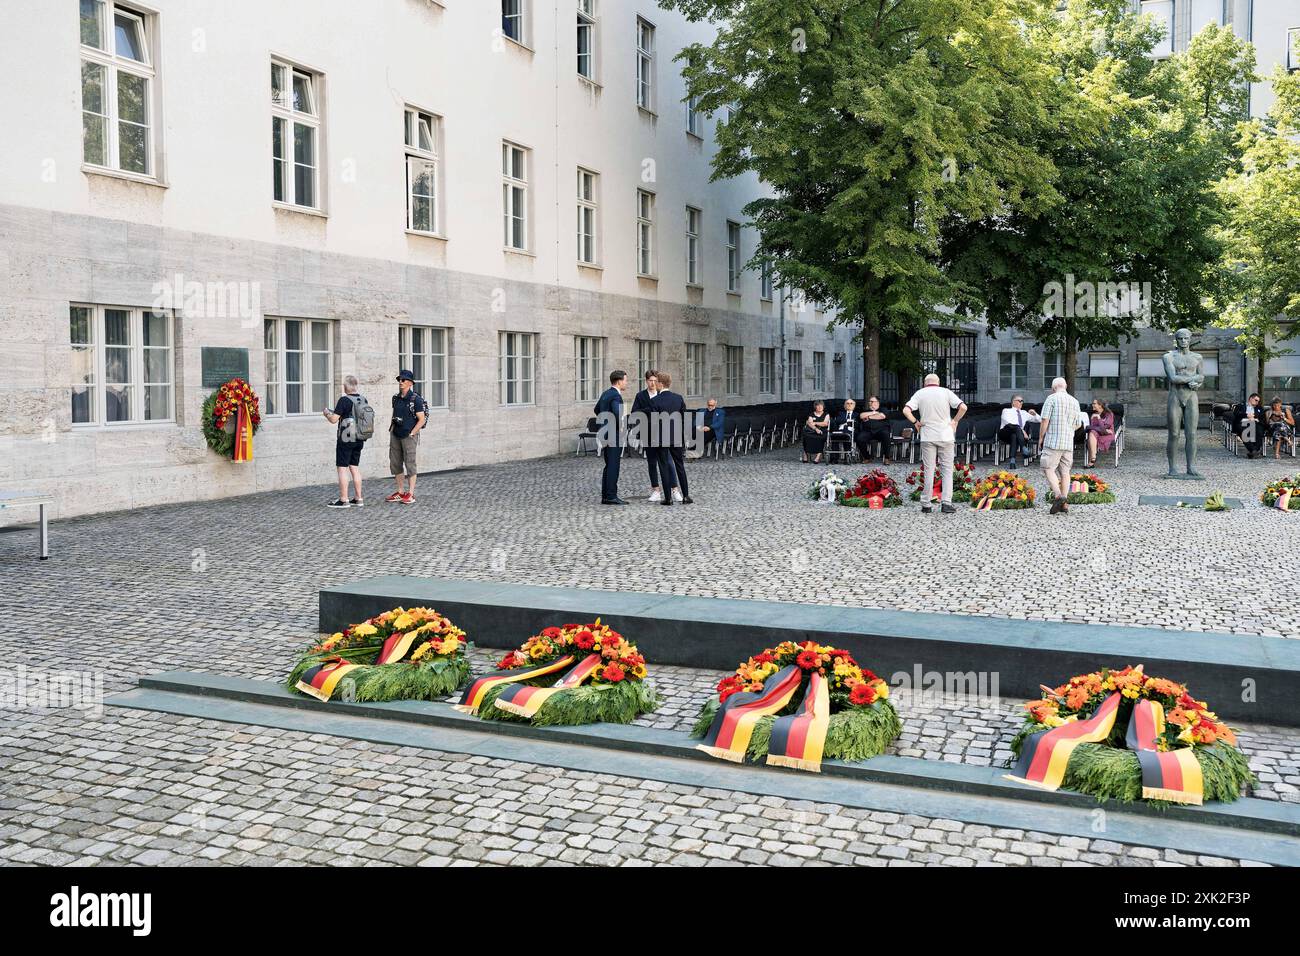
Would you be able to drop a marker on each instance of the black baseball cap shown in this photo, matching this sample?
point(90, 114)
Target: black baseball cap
point(406, 374)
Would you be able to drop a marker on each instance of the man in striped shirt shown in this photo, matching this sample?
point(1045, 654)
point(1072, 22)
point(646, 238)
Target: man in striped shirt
point(1061, 416)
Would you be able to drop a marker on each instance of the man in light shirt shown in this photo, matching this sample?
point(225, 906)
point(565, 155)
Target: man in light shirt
point(1061, 417)
point(1012, 430)
point(938, 426)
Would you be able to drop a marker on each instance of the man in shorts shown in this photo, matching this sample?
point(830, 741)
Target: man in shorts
point(409, 415)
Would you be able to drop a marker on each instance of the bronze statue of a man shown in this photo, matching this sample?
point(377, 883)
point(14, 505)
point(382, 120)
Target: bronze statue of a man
point(1184, 370)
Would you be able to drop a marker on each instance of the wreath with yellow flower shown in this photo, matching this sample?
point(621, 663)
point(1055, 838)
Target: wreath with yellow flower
point(424, 657)
point(863, 721)
point(221, 410)
point(1002, 491)
point(1109, 768)
point(1087, 489)
point(610, 688)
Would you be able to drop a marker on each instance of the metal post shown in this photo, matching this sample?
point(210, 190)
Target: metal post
point(45, 534)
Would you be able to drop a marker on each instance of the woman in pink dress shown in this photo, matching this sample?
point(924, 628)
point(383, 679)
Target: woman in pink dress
point(1101, 431)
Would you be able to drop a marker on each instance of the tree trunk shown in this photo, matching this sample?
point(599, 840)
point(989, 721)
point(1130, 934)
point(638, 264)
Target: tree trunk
point(1070, 359)
point(870, 361)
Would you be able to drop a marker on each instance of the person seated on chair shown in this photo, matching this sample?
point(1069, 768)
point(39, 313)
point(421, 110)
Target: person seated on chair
point(712, 425)
point(842, 428)
point(1012, 430)
point(872, 430)
point(1248, 425)
point(1280, 425)
point(1101, 431)
point(815, 429)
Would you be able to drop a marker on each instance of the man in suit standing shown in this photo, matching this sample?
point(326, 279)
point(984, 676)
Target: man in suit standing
point(609, 414)
point(668, 429)
point(641, 429)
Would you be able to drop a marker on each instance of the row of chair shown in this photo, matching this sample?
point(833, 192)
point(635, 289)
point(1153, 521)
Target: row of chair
point(1223, 422)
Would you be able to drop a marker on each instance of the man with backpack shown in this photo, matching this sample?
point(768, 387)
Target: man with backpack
point(356, 424)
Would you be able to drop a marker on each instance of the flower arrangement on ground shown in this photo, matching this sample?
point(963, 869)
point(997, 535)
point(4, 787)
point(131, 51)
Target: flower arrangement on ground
point(794, 704)
point(1283, 494)
point(1001, 491)
point(402, 654)
point(963, 482)
point(875, 489)
point(828, 487)
point(231, 417)
point(1124, 735)
point(574, 674)
point(1087, 489)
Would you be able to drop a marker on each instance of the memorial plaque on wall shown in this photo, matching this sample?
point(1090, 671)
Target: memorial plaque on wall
point(220, 365)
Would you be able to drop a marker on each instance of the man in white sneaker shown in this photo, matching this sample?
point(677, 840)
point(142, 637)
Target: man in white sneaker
point(938, 427)
point(639, 431)
point(1061, 418)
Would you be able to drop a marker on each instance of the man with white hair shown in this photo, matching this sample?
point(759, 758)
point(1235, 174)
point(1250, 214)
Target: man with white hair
point(356, 421)
point(1060, 417)
point(938, 427)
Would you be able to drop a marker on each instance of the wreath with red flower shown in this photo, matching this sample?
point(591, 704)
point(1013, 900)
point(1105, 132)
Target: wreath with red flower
point(1087, 489)
point(875, 489)
point(1275, 490)
point(1002, 491)
point(963, 481)
point(220, 413)
point(863, 721)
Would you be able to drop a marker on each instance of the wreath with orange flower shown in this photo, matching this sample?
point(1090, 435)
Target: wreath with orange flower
point(1108, 769)
point(1087, 489)
point(615, 692)
point(963, 481)
point(220, 411)
point(863, 721)
point(1002, 491)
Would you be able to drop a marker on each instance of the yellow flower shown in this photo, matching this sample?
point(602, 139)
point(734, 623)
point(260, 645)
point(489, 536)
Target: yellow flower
point(403, 622)
point(365, 630)
point(536, 651)
point(881, 689)
point(420, 651)
point(639, 671)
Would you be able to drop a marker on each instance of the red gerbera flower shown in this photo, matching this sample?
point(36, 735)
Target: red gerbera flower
point(861, 695)
point(808, 660)
point(612, 673)
point(585, 640)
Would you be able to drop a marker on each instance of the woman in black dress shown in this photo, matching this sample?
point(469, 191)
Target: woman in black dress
point(814, 433)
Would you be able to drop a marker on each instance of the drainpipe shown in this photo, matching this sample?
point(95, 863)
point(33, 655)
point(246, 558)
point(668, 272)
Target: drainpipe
point(780, 365)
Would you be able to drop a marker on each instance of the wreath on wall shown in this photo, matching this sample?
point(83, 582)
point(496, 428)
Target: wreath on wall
point(231, 406)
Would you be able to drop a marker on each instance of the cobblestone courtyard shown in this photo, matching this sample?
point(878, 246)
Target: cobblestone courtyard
point(230, 586)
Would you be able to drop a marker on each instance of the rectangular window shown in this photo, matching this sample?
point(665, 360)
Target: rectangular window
point(422, 134)
point(645, 64)
point(694, 126)
point(1163, 13)
point(117, 87)
point(514, 195)
point(299, 356)
point(1053, 368)
point(423, 350)
point(1151, 371)
point(735, 369)
point(513, 20)
point(1103, 370)
point(767, 371)
point(587, 39)
point(693, 273)
point(733, 256)
point(295, 135)
point(515, 371)
point(819, 371)
point(587, 217)
point(647, 357)
point(1205, 12)
point(1293, 49)
point(794, 371)
point(588, 356)
point(122, 365)
point(1013, 369)
point(1282, 374)
point(765, 282)
point(1210, 368)
point(696, 372)
point(645, 233)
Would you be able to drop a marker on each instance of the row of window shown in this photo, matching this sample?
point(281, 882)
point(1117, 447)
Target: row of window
point(1201, 14)
point(1103, 370)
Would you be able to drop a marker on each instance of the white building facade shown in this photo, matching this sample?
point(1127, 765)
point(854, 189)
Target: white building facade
point(511, 198)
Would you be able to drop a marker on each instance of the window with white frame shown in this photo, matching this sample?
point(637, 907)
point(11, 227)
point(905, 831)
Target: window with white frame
point(1013, 369)
point(767, 371)
point(1151, 371)
point(423, 350)
point(122, 365)
point(117, 87)
point(587, 208)
point(1103, 370)
point(299, 356)
point(693, 271)
point(819, 371)
point(587, 39)
point(733, 256)
point(1053, 367)
point(794, 370)
point(514, 20)
point(422, 134)
point(514, 195)
point(645, 233)
point(645, 64)
point(694, 123)
point(735, 369)
point(517, 353)
point(1293, 49)
point(647, 358)
point(295, 135)
point(696, 371)
point(765, 281)
point(589, 358)
point(1163, 13)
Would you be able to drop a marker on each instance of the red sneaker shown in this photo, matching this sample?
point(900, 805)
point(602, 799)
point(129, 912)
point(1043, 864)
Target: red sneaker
point(408, 499)
point(395, 496)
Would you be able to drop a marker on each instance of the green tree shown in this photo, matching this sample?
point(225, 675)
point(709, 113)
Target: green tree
point(872, 123)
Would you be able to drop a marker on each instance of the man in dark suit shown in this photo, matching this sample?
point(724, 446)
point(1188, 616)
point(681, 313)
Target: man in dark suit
point(640, 425)
point(609, 415)
point(668, 434)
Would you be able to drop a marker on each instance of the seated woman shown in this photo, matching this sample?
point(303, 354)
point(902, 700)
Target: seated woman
point(873, 429)
point(1101, 431)
point(815, 429)
point(1281, 426)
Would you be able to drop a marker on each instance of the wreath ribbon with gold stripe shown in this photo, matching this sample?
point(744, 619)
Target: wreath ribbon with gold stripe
point(733, 725)
point(243, 433)
point(526, 700)
point(1044, 755)
point(799, 739)
point(323, 679)
point(395, 648)
point(1173, 775)
point(473, 698)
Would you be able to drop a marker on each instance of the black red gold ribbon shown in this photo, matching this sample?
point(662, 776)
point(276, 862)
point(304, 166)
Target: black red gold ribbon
point(473, 698)
point(1044, 756)
point(526, 700)
point(733, 725)
point(322, 680)
point(1173, 775)
point(243, 433)
point(798, 739)
point(395, 648)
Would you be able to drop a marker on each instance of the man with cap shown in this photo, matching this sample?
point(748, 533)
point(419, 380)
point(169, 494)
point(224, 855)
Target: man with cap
point(409, 414)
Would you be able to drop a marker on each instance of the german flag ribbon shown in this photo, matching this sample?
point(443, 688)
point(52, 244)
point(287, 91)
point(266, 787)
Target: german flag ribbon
point(526, 700)
point(1283, 502)
point(1045, 754)
point(986, 503)
point(1173, 775)
point(733, 726)
point(473, 698)
point(323, 679)
point(243, 433)
point(395, 648)
point(798, 739)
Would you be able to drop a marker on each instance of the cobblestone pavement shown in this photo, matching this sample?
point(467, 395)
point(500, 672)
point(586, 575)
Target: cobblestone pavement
point(231, 586)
